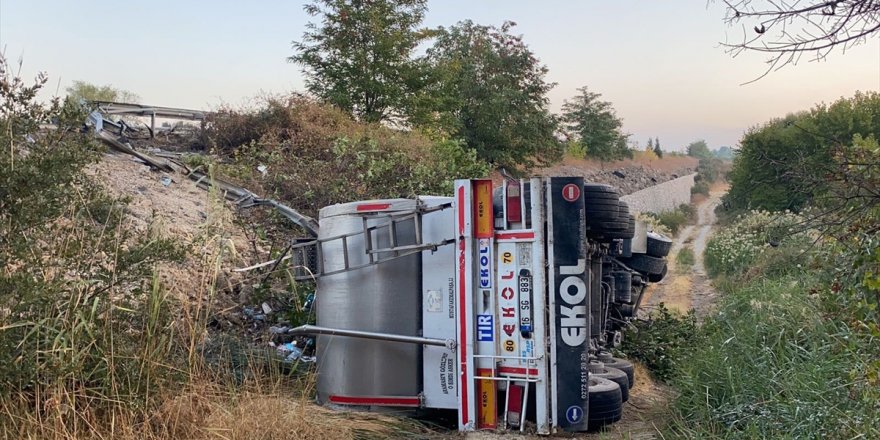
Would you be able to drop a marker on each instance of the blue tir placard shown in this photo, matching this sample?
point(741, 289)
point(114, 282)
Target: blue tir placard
point(485, 328)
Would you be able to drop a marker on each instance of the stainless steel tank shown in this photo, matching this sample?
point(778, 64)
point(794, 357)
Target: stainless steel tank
point(385, 298)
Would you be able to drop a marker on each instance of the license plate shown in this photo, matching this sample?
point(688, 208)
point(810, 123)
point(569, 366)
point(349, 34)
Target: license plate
point(525, 302)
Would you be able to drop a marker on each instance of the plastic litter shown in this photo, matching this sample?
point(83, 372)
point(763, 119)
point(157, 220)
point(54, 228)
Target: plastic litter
point(165, 180)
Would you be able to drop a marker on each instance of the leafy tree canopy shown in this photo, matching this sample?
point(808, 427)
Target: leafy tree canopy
point(84, 91)
point(789, 162)
point(698, 149)
point(489, 90)
point(359, 56)
point(595, 124)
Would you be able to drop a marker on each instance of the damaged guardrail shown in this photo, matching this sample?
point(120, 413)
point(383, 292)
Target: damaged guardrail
point(242, 197)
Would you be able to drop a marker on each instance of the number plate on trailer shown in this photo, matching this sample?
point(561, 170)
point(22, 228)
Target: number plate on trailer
point(525, 301)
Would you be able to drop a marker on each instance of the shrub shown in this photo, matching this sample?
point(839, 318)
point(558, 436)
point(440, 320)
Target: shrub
point(700, 187)
point(673, 220)
point(737, 247)
point(83, 323)
point(317, 156)
point(663, 341)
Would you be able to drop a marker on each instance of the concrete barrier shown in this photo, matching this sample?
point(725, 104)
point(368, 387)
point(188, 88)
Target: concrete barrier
point(663, 197)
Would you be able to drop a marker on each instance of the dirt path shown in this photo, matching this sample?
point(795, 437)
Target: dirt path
point(688, 287)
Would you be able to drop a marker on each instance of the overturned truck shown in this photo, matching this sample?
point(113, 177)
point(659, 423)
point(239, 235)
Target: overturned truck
point(500, 304)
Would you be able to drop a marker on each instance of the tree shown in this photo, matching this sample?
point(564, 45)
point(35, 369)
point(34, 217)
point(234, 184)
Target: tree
point(657, 149)
point(360, 57)
point(84, 91)
point(650, 145)
point(822, 156)
point(698, 149)
point(489, 90)
point(595, 124)
point(788, 30)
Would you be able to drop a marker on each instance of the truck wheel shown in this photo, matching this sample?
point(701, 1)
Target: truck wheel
point(597, 189)
point(657, 277)
point(620, 364)
point(658, 245)
point(618, 377)
point(605, 404)
point(645, 264)
point(601, 211)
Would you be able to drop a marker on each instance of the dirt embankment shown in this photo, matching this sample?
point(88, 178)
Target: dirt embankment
point(628, 175)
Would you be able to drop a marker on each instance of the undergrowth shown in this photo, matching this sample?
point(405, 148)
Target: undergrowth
point(792, 349)
point(91, 343)
point(673, 220)
point(684, 259)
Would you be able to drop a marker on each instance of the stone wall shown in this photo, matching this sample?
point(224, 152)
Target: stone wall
point(663, 197)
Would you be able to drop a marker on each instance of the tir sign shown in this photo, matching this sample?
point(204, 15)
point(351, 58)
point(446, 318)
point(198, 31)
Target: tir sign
point(483, 218)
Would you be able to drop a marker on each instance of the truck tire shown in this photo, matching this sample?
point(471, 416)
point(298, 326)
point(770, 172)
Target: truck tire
point(601, 212)
point(600, 188)
point(658, 245)
point(617, 376)
point(645, 264)
point(621, 364)
point(605, 402)
point(657, 277)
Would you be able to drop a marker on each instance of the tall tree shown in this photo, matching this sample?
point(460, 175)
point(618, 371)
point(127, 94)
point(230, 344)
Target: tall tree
point(595, 124)
point(698, 149)
point(490, 91)
point(359, 56)
point(657, 149)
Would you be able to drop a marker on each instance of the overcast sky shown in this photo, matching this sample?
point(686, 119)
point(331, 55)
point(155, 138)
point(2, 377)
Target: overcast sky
point(659, 62)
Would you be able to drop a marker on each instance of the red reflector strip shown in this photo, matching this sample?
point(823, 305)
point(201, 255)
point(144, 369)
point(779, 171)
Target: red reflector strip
point(373, 207)
point(515, 236)
point(518, 370)
point(376, 400)
point(462, 323)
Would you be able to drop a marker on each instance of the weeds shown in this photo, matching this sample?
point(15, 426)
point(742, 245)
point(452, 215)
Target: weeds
point(673, 220)
point(685, 258)
point(91, 343)
point(663, 342)
point(788, 353)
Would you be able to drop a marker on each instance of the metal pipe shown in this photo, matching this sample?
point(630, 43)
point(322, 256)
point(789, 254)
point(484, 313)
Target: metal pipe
point(315, 330)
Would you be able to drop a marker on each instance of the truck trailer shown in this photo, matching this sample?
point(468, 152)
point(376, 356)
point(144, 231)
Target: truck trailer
point(501, 303)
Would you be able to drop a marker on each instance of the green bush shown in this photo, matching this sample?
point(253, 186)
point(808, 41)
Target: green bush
point(737, 248)
point(662, 342)
point(83, 323)
point(317, 156)
point(787, 162)
point(700, 187)
point(673, 220)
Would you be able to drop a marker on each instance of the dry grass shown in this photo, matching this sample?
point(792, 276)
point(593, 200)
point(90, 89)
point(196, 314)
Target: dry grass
point(183, 396)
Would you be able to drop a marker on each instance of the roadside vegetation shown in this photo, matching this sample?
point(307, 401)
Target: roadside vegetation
point(672, 221)
point(684, 259)
point(91, 343)
point(791, 349)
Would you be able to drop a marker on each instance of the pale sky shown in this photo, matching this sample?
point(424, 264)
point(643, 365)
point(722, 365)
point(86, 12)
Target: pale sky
point(659, 62)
